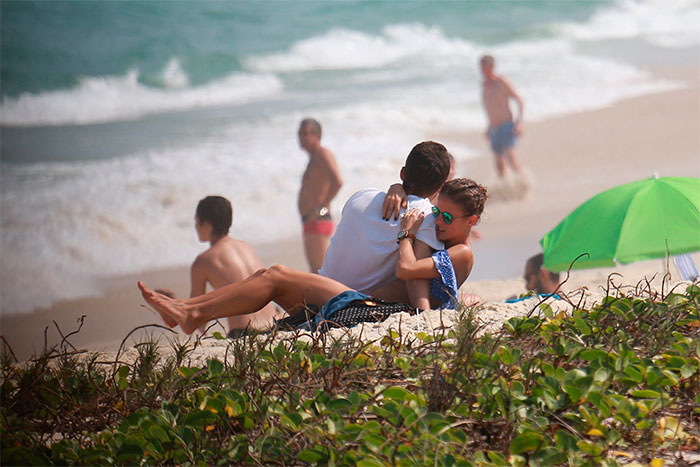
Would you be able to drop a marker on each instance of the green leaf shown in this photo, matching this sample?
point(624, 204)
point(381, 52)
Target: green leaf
point(599, 401)
point(687, 371)
point(565, 441)
point(291, 421)
point(646, 394)
point(589, 448)
point(187, 372)
point(591, 355)
point(339, 405)
point(526, 442)
point(159, 433)
point(644, 424)
point(506, 355)
point(199, 418)
point(583, 328)
point(547, 310)
point(129, 453)
point(397, 393)
point(123, 371)
point(573, 391)
point(634, 374)
point(215, 367)
point(369, 462)
point(497, 458)
point(313, 455)
point(373, 442)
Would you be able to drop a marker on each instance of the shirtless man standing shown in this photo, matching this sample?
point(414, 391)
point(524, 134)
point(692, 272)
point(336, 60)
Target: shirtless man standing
point(503, 129)
point(226, 261)
point(319, 186)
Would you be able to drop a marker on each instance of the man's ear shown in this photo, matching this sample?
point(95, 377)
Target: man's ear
point(401, 174)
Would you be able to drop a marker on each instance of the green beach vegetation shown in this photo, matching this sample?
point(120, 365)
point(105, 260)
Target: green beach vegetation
point(616, 383)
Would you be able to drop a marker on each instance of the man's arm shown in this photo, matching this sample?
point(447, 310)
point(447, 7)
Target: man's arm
point(512, 94)
point(335, 179)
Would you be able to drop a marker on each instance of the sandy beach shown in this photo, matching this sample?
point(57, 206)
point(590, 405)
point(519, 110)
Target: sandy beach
point(570, 158)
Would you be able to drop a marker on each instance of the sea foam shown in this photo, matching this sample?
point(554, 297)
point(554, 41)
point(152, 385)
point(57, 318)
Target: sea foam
point(666, 23)
point(341, 49)
point(116, 98)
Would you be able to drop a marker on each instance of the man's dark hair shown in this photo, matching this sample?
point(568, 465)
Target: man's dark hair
point(426, 169)
point(313, 123)
point(217, 211)
point(537, 261)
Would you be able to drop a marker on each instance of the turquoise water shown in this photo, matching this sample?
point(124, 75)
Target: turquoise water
point(52, 45)
point(117, 117)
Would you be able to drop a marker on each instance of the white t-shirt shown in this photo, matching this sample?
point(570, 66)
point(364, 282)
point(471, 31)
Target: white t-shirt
point(363, 252)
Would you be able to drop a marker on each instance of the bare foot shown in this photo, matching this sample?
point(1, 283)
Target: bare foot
point(155, 299)
point(167, 292)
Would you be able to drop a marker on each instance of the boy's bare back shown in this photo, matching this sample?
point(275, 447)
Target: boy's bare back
point(228, 261)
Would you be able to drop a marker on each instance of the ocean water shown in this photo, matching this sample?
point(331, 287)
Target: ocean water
point(117, 117)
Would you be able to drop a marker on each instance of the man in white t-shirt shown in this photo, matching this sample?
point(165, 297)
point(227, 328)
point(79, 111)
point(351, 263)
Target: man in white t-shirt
point(364, 251)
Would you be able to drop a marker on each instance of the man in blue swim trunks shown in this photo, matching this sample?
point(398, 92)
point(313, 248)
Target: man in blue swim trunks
point(503, 128)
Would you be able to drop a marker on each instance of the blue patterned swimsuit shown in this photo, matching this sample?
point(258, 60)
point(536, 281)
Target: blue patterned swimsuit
point(444, 288)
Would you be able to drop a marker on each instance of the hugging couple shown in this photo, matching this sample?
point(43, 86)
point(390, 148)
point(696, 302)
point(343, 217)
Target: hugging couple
point(421, 258)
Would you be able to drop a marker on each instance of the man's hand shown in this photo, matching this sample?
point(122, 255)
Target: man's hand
point(411, 221)
point(518, 128)
point(394, 200)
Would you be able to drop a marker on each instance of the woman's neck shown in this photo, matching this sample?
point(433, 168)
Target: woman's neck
point(458, 241)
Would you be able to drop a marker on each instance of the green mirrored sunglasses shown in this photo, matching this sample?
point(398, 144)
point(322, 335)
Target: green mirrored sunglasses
point(446, 216)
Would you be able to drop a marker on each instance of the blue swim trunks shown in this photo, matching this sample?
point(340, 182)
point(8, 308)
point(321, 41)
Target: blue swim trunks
point(502, 137)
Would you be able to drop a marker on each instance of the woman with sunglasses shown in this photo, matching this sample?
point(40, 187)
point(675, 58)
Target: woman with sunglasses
point(459, 206)
point(458, 209)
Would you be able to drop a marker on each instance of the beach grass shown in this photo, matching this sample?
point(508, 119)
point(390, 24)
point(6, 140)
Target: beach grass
point(614, 383)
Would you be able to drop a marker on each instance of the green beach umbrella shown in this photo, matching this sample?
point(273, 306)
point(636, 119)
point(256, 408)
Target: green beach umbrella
point(640, 220)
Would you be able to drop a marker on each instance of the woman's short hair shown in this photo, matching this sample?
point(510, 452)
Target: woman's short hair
point(466, 193)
